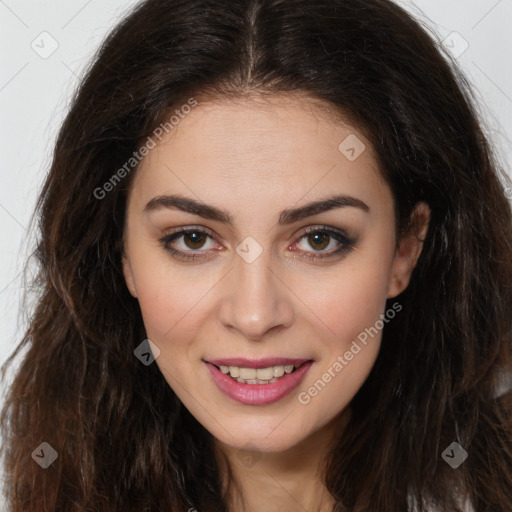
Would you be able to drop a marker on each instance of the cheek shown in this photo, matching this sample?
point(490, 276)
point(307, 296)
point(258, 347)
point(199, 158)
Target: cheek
point(351, 299)
point(172, 298)
point(168, 304)
point(353, 310)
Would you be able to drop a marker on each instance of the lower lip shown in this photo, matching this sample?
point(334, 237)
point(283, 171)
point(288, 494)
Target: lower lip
point(258, 394)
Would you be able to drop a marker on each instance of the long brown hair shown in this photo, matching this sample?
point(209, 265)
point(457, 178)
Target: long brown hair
point(124, 441)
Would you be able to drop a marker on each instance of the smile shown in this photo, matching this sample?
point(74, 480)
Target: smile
point(258, 386)
point(258, 375)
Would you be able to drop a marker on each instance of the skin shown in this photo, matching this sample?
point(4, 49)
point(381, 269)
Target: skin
point(254, 159)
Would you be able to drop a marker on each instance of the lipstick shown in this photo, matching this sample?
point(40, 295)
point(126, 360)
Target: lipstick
point(258, 394)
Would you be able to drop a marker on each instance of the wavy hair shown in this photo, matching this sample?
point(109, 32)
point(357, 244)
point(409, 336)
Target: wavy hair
point(124, 440)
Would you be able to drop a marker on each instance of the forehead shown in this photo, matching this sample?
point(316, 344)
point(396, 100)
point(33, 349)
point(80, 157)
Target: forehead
point(260, 150)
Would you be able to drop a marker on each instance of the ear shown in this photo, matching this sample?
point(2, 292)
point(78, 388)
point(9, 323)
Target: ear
point(409, 250)
point(128, 276)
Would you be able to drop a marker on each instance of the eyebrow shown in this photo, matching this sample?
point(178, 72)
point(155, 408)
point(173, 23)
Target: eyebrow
point(288, 216)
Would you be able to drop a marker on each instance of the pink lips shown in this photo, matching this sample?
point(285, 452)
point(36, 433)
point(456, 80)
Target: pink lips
point(258, 394)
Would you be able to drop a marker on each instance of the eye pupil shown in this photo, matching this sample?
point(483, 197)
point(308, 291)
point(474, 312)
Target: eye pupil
point(194, 235)
point(321, 236)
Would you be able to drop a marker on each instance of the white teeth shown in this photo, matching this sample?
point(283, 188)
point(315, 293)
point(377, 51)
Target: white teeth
point(257, 375)
point(278, 371)
point(265, 373)
point(247, 373)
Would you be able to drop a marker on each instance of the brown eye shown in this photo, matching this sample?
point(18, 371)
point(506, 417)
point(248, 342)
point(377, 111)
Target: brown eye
point(318, 240)
point(187, 244)
point(197, 239)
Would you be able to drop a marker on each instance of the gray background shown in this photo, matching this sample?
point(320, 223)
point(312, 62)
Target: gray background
point(35, 88)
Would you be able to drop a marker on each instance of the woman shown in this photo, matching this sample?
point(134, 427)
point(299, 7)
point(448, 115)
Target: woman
point(275, 274)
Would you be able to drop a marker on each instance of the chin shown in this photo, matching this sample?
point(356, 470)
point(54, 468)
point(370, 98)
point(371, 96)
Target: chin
point(259, 441)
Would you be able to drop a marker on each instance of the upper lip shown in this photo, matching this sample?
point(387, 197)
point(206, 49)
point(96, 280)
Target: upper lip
point(258, 363)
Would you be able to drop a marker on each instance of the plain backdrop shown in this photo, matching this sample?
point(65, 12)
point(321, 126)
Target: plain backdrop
point(46, 45)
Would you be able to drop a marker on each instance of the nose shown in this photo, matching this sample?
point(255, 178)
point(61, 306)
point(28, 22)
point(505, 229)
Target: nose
point(256, 299)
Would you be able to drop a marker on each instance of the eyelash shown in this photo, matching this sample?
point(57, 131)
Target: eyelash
point(346, 242)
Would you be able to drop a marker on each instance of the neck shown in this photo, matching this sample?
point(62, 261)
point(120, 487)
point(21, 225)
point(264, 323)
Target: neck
point(287, 481)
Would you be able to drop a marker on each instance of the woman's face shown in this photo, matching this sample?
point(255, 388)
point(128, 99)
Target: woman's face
point(248, 282)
